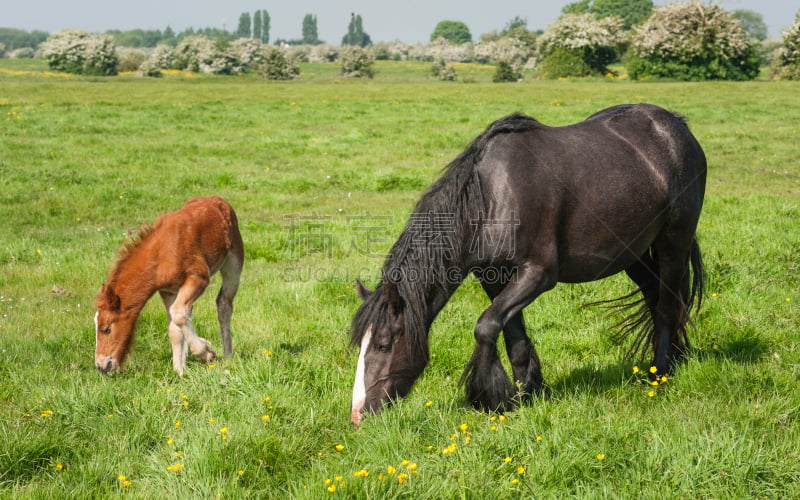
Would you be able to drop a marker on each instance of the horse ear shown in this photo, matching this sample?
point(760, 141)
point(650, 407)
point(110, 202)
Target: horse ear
point(392, 296)
point(112, 299)
point(363, 291)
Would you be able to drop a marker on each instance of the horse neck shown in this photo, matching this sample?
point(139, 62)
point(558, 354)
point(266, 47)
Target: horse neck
point(132, 279)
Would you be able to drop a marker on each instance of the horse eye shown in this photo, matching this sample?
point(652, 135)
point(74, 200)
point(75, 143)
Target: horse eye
point(106, 330)
point(385, 347)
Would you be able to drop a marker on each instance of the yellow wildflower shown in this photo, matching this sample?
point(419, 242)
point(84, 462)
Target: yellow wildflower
point(653, 369)
point(175, 468)
point(507, 460)
point(339, 447)
point(402, 478)
point(391, 470)
point(635, 369)
point(601, 456)
point(463, 428)
point(520, 470)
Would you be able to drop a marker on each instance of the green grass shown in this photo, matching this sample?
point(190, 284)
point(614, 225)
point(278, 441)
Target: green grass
point(83, 160)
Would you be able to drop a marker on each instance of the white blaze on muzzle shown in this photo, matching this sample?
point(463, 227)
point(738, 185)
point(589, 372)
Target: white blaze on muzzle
point(360, 387)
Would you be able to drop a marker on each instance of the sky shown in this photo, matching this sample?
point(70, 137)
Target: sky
point(407, 20)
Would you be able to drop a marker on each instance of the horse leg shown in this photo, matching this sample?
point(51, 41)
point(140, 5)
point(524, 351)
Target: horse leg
point(525, 363)
point(176, 337)
point(180, 326)
point(230, 271)
point(487, 384)
point(671, 311)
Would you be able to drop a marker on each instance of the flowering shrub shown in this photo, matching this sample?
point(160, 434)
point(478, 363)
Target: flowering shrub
point(356, 62)
point(22, 53)
point(443, 71)
point(323, 53)
point(596, 42)
point(508, 49)
point(277, 65)
point(692, 41)
point(160, 58)
point(130, 59)
point(244, 53)
point(80, 52)
point(788, 60)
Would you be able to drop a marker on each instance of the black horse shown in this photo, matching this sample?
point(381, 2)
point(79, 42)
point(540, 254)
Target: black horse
point(524, 207)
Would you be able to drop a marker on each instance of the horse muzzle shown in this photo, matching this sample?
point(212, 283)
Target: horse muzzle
point(105, 364)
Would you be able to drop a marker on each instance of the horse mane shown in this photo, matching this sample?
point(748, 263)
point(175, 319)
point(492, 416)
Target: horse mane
point(127, 248)
point(458, 195)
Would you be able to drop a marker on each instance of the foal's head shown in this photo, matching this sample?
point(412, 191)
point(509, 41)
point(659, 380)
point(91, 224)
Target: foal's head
point(389, 362)
point(113, 330)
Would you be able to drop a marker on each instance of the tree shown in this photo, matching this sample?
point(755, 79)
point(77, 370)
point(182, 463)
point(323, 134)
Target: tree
point(514, 25)
point(257, 25)
point(264, 26)
point(692, 41)
point(453, 31)
point(355, 33)
point(753, 23)
point(244, 25)
point(632, 12)
point(310, 36)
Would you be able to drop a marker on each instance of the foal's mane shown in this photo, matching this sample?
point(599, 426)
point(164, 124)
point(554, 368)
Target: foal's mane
point(124, 253)
point(457, 194)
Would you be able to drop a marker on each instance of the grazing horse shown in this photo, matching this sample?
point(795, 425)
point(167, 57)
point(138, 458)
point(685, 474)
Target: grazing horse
point(524, 207)
point(176, 257)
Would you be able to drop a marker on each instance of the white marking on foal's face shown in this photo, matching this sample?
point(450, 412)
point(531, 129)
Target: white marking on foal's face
point(96, 314)
point(360, 387)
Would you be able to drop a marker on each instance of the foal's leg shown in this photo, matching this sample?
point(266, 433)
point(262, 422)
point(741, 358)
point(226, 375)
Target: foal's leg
point(230, 271)
point(176, 337)
point(521, 352)
point(180, 326)
point(487, 384)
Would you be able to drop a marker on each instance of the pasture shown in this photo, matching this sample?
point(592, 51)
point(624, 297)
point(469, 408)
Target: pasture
point(323, 173)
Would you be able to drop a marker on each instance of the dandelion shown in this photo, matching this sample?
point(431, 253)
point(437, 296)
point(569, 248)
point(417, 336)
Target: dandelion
point(267, 352)
point(212, 420)
point(635, 369)
point(177, 454)
point(59, 467)
point(651, 393)
point(177, 424)
point(240, 472)
point(339, 447)
point(507, 460)
point(501, 418)
point(110, 415)
point(361, 473)
point(463, 428)
point(170, 441)
point(224, 432)
point(402, 478)
point(391, 470)
point(538, 438)
point(175, 467)
point(600, 456)
point(654, 383)
point(265, 418)
point(332, 488)
point(126, 483)
point(405, 463)
point(413, 468)
point(430, 403)
point(520, 470)
point(467, 439)
point(267, 399)
point(515, 481)
point(494, 428)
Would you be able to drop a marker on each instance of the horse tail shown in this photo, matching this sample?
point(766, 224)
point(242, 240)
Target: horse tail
point(639, 322)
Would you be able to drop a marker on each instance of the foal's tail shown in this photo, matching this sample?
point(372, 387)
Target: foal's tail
point(639, 322)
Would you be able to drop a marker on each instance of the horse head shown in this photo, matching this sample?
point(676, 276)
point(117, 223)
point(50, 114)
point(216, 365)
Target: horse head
point(113, 330)
point(389, 362)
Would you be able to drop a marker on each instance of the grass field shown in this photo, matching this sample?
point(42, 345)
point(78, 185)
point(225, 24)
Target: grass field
point(323, 173)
